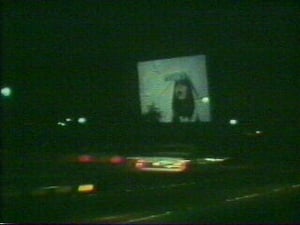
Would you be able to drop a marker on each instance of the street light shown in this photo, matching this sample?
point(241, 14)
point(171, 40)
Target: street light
point(6, 91)
point(61, 124)
point(233, 122)
point(81, 120)
point(205, 99)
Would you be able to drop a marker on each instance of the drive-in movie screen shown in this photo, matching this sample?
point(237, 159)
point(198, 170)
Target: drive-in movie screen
point(174, 90)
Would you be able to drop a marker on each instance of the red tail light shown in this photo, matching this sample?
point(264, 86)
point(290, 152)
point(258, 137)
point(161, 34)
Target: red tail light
point(86, 159)
point(117, 160)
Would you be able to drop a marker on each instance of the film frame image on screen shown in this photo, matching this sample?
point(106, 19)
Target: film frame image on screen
point(174, 90)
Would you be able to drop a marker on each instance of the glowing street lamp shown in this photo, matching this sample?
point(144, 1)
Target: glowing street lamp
point(205, 99)
point(81, 120)
point(61, 124)
point(6, 91)
point(68, 119)
point(233, 122)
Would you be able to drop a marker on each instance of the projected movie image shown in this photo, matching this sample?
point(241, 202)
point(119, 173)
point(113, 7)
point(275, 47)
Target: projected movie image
point(174, 90)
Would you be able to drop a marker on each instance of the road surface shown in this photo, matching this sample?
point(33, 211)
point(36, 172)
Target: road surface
point(221, 193)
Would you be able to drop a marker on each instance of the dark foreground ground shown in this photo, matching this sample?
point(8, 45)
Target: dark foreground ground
point(243, 190)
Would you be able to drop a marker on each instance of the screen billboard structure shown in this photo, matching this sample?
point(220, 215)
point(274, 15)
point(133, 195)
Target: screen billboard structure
point(174, 90)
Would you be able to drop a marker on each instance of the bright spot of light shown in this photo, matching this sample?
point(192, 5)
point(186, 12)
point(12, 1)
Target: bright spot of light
point(68, 119)
point(81, 120)
point(61, 124)
point(6, 91)
point(233, 122)
point(258, 132)
point(214, 159)
point(86, 188)
point(205, 99)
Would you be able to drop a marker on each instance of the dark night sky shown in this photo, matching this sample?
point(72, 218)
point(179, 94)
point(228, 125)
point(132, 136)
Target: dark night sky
point(75, 58)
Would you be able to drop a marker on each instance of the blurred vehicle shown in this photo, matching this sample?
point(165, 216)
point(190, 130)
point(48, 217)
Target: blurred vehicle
point(161, 164)
point(96, 158)
point(160, 158)
point(174, 158)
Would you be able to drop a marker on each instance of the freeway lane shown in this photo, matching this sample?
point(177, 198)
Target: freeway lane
point(208, 196)
point(274, 206)
point(254, 198)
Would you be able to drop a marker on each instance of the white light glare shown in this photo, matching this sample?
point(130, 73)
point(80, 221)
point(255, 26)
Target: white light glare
point(81, 120)
point(258, 132)
point(6, 91)
point(215, 159)
point(68, 119)
point(61, 124)
point(205, 99)
point(233, 121)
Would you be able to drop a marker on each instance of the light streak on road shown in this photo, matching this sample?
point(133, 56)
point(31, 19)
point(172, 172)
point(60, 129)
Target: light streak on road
point(154, 216)
point(243, 197)
point(280, 189)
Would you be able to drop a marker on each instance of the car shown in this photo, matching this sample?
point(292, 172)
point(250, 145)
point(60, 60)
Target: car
point(160, 164)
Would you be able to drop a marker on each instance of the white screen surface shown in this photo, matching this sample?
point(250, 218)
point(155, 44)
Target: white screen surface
point(174, 90)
